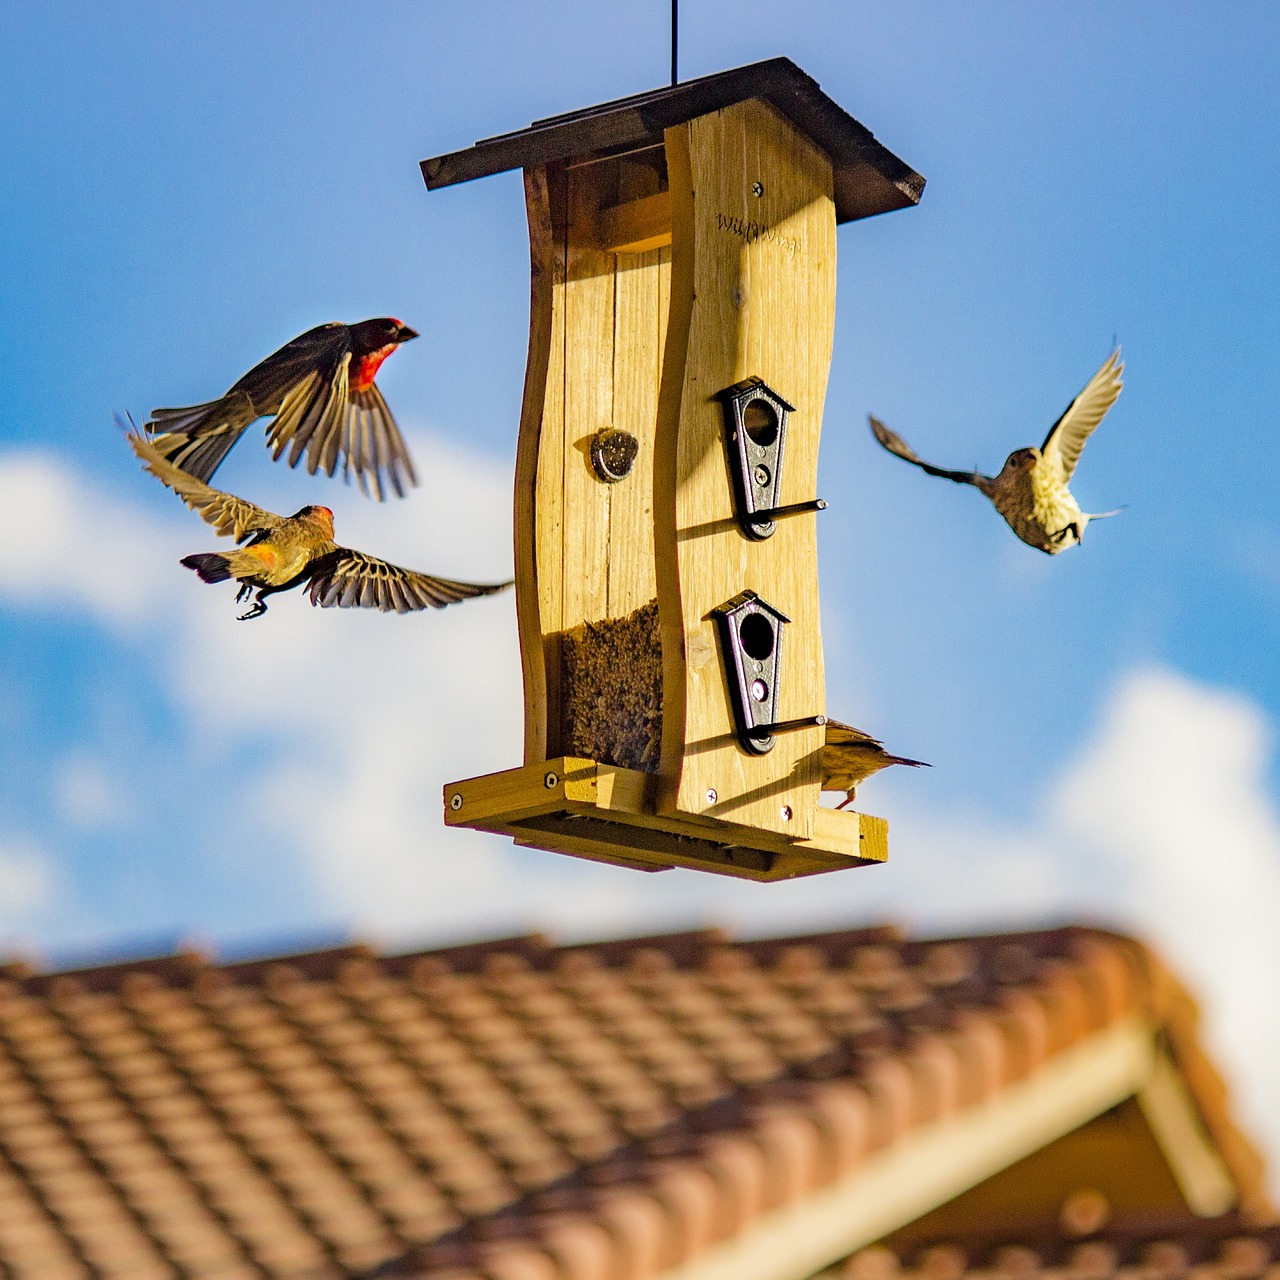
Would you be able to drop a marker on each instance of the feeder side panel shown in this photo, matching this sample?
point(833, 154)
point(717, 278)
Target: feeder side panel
point(756, 232)
point(537, 505)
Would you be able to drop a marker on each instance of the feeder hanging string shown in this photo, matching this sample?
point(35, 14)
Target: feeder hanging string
point(675, 38)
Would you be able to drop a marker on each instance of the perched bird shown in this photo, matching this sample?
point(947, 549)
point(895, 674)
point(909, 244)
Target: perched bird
point(1031, 490)
point(283, 552)
point(850, 757)
point(320, 388)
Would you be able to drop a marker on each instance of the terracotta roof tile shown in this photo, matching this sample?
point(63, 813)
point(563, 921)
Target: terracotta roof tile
point(517, 1111)
point(1185, 1248)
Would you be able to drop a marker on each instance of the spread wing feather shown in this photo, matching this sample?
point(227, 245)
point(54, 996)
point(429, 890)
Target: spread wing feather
point(348, 579)
point(229, 515)
point(898, 446)
point(1066, 439)
point(370, 433)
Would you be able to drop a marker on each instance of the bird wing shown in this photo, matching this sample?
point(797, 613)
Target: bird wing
point(310, 415)
point(897, 445)
point(371, 441)
point(843, 735)
point(352, 580)
point(229, 515)
point(1065, 441)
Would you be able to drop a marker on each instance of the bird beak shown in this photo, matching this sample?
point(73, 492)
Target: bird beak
point(405, 334)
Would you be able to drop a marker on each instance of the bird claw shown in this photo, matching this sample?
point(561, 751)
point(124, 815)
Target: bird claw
point(256, 612)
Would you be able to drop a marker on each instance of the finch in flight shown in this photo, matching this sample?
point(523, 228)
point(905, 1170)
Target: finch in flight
point(850, 757)
point(283, 552)
point(1031, 490)
point(320, 388)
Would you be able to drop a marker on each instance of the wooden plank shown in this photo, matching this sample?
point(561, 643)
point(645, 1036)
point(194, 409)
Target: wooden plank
point(1193, 1158)
point(756, 273)
point(588, 393)
point(588, 850)
point(636, 226)
point(539, 462)
point(632, 575)
point(858, 835)
point(621, 803)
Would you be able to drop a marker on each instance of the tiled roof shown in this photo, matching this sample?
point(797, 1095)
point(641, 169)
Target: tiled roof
point(1184, 1249)
point(515, 1109)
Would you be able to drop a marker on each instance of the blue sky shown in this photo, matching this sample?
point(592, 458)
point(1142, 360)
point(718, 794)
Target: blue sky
point(185, 189)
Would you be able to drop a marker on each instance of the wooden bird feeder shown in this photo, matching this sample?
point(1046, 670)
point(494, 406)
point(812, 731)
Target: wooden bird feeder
point(683, 254)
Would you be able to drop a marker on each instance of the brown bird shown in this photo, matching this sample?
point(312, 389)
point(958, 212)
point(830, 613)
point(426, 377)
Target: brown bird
point(1031, 490)
point(320, 388)
point(850, 757)
point(283, 552)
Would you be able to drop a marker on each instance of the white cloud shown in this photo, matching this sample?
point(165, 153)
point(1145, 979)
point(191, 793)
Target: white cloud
point(63, 546)
point(1173, 791)
point(26, 881)
point(85, 793)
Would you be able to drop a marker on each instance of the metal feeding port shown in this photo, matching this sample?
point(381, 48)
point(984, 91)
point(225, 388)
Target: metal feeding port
point(755, 422)
point(751, 648)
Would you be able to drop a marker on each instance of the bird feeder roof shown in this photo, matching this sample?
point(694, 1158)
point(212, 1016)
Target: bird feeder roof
point(869, 179)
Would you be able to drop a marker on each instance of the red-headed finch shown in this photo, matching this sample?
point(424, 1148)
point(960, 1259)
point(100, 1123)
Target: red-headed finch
point(283, 552)
point(850, 757)
point(320, 388)
point(1031, 490)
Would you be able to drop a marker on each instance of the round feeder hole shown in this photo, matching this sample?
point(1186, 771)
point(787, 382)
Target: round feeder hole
point(760, 421)
point(756, 633)
point(759, 690)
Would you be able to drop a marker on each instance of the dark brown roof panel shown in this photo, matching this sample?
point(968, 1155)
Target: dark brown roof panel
point(869, 179)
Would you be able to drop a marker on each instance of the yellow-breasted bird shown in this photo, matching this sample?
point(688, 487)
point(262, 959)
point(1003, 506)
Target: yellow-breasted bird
point(1031, 490)
point(850, 757)
point(283, 552)
point(320, 388)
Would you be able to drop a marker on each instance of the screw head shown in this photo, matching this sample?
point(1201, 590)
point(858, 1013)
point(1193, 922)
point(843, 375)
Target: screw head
point(711, 795)
point(786, 813)
point(757, 189)
point(551, 781)
point(455, 802)
point(761, 475)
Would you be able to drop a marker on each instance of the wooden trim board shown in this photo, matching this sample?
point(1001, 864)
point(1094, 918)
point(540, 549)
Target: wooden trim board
point(605, 813)
point(934, 1164)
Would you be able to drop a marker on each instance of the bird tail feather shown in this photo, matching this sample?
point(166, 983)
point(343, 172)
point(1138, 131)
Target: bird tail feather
point(197, 438)
point(915, 764)
point(1102, 515)
point(211, 566)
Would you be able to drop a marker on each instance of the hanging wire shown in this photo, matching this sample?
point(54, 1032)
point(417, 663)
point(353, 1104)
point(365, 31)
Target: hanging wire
point(675, 40)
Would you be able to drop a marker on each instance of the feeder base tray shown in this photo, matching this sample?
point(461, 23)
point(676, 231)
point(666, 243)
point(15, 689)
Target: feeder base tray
point(609, 814)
